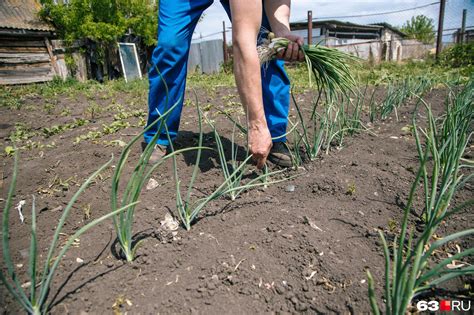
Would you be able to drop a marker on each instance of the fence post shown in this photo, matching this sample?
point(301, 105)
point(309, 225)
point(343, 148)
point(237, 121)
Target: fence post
point(326, 35)
point(310, 27)
point(225, 42)
point(439, 43)
point(201, 61)
point(463, 25)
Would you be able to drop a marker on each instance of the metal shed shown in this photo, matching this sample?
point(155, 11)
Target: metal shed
point(26, 54)
point(374, 42)
point(334, 32)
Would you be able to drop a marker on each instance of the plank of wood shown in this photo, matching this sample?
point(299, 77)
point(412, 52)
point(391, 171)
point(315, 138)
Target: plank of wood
point(24, 74)
point(37, 79)
point(25, 67)
point(64, 73)
point(21, 73)
point(21, 43)
point(52, 56)
point(23, 50)
point(21, 58)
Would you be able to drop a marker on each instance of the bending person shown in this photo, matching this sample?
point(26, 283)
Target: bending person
point(265, 93)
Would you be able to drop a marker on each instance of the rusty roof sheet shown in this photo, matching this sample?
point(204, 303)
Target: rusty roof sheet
point(22, 14)
point(337, 24)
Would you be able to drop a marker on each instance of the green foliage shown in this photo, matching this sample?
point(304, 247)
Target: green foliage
point(331, 119)
point(34, 300)
point(399, 91)
point(70, 62)
point(228, 67)
point(9, 150)
point(211, 81)
point(421, 28)
point(115, 127)
point(142, 171)
point(409, 265)
point(460, 55)
point(58, 129)
point(102, 20)
point(388, 72)
point(22, 132)
point(235, 180)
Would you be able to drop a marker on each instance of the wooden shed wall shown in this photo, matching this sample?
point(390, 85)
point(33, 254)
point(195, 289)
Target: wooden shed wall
point(24, 60)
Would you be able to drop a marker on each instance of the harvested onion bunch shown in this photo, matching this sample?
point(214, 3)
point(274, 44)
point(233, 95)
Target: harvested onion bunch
point(330, 67)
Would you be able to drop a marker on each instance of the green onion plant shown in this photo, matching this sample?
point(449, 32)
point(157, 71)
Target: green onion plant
point(373, 105)
point(295, 158)
point(35, 299)
point(330, 126)
point(235, 180)
point(141, 173)
point(409, 267)
point(399, 91)
point(232, 185)
point(188, 210)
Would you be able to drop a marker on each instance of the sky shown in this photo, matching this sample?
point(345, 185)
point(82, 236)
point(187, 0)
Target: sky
point(212, 21)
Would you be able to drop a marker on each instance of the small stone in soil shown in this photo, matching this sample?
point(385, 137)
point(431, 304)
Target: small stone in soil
point(290, 188)
point(300, 307)
point(25, 253)
point(152, 184)
point(211, 285)
point(279, 289)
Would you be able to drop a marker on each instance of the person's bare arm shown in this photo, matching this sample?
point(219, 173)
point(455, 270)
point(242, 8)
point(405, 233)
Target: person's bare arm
point(246, 20)
point(278, 13)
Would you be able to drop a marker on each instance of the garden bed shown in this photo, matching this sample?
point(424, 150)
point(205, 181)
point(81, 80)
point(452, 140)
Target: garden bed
point(303, 245)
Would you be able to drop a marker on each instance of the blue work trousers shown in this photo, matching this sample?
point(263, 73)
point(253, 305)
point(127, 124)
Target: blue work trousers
point(177, 21)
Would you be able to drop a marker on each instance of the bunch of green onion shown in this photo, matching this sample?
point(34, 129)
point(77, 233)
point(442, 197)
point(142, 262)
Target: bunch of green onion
point(330, 67)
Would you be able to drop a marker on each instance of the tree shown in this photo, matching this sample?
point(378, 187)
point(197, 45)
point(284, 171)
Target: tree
point(421, 28)
point(103, 21)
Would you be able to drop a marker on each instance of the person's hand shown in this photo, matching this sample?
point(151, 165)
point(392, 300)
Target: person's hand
point(293, 52)
point(260, 142)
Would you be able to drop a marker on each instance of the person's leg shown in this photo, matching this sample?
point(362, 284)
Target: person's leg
point(177, 20)
point(275, 88)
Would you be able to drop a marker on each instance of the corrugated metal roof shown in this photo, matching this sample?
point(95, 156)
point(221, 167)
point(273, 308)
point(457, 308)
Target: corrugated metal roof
point(336, 24)
point(390, 27)
point(22, 14)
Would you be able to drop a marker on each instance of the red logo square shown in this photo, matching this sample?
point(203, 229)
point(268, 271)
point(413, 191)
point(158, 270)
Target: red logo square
point(445, 305)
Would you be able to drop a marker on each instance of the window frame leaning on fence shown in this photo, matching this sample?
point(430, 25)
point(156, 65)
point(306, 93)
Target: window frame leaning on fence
point(137, 62)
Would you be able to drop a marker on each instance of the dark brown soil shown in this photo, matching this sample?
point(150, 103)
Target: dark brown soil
point(258, 254)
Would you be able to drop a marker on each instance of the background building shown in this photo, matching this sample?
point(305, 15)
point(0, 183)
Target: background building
point(375, 42)
point(26, 53)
